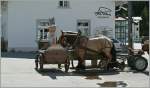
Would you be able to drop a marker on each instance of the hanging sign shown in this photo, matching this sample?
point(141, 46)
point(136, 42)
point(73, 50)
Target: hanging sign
point(103, 12)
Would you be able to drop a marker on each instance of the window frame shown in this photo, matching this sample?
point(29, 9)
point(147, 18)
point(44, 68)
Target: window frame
point(65, 4)
point(42, 29)
point(82, 26)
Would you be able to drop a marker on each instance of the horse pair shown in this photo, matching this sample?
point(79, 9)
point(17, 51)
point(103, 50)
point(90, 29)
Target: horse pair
point(84, 46)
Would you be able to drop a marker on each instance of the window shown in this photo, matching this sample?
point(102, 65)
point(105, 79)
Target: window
point(64, 4)
point(42, 29)
point(44, 23)
point(84, 26)
point(45, 31)
point(121, 30)
point(61, 3)
point(43, 34)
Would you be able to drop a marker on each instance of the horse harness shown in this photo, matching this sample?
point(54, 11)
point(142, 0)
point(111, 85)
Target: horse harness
point(77, 43)
point(88, 49)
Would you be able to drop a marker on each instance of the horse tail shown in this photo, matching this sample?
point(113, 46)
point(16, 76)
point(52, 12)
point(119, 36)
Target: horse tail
point(113, 52)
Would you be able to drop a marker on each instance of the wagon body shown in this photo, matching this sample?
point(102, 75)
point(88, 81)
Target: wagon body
point(134, 58)
point(55, 54)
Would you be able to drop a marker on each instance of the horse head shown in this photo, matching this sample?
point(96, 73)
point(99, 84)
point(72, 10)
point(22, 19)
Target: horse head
point(62, 39)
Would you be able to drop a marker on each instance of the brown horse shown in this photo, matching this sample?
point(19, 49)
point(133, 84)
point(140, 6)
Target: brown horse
point(93, 46)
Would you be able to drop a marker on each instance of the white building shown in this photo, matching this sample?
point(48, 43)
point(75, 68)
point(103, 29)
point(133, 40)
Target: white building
point(20, 19)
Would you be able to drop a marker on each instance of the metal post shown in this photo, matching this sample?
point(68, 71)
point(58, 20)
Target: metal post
point(130, 42)
point(4, 24)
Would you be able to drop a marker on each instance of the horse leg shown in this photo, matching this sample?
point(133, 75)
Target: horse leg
point(94, 63)
point(81, 61)
point(108, 56)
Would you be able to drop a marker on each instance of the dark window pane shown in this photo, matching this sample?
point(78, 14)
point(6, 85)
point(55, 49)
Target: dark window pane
point(45, 30)
point(61, 3)
point(65, 3)
point(79, 24)
point(85, 24)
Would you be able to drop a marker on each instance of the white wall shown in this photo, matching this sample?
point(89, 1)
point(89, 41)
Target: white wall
point(22, 16)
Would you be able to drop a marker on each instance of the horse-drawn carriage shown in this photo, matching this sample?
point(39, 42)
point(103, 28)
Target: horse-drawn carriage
point(55, 54)
point(83, 48)
point(101, 48)
point(49, 52)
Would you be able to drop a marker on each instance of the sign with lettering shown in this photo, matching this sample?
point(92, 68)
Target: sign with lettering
point(103, 12)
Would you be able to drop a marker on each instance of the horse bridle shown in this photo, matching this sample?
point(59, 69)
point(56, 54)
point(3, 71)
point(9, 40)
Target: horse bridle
point(76, 42)
point(63, 40)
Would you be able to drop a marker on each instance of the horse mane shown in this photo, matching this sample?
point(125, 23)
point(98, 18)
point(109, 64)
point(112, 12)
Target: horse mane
point(100, 36)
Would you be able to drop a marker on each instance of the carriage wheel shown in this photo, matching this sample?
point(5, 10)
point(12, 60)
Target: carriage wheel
point(41, 61)
point(103, 64)
point(122, 65)
point(130, 61)
point(72, 64)
point(67, 64)
point(140, 63)
point(59, 66)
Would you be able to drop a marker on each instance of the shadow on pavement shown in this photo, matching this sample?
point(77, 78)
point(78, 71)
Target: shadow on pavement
point(88, 74)
point(144, 72)
point(137, 72)
point(112, 84)
point(29, 55)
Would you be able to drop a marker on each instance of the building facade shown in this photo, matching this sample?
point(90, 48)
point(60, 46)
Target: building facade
point(20, 19)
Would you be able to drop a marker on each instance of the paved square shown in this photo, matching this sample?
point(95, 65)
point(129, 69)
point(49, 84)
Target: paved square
point(20, 72)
